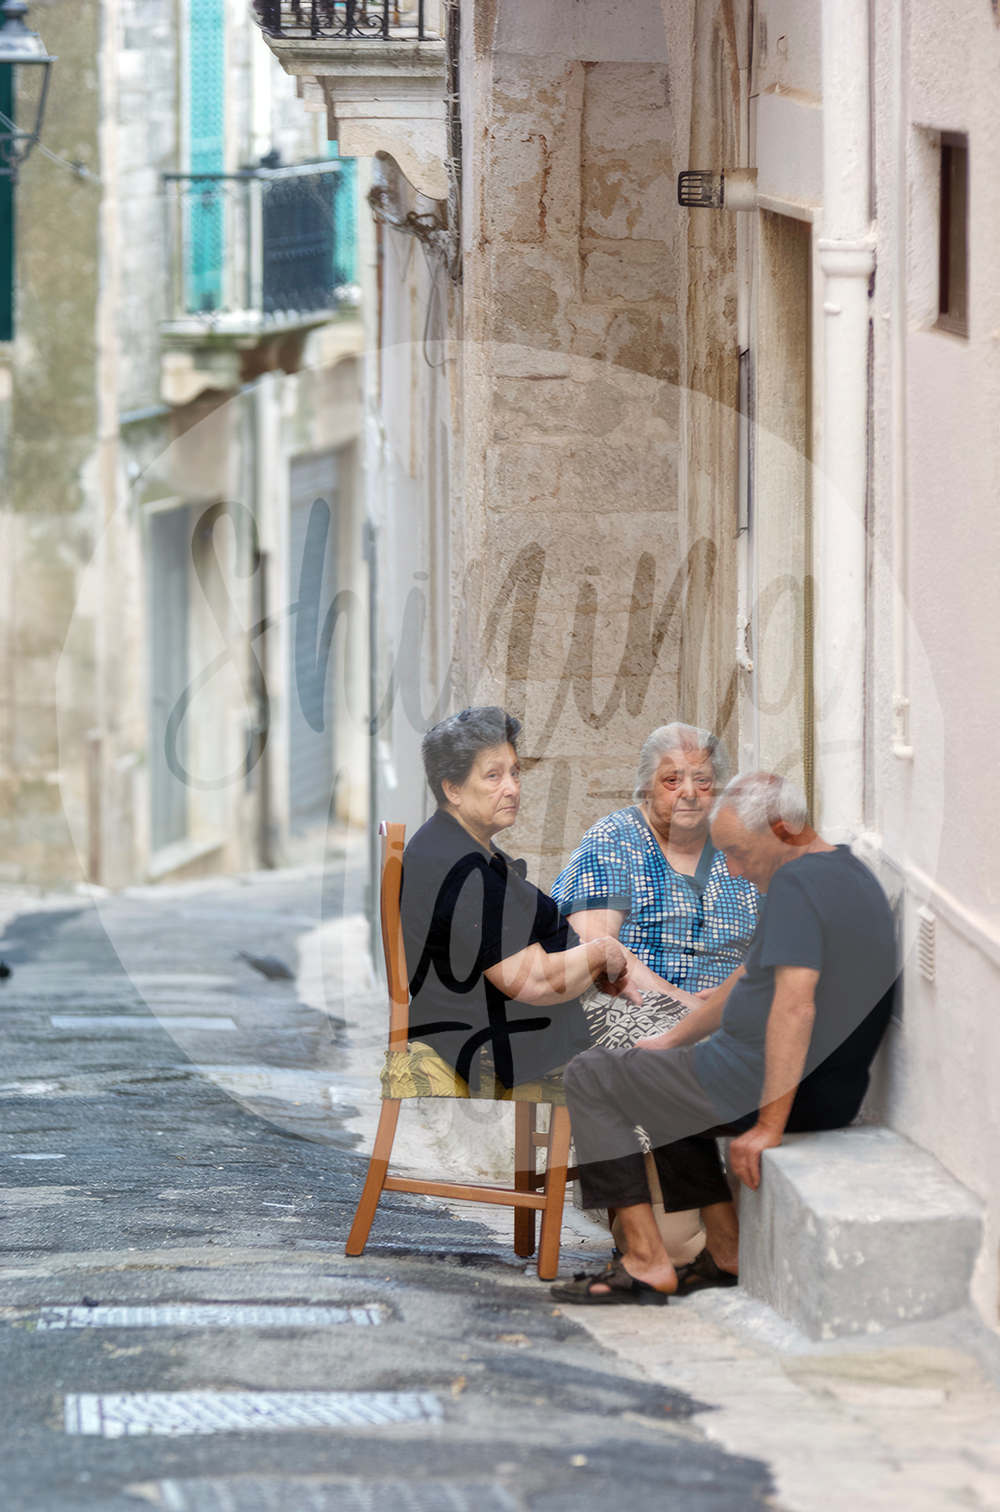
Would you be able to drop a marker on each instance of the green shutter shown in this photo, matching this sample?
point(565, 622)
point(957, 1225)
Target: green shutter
point(345, 223)
point(206, 124)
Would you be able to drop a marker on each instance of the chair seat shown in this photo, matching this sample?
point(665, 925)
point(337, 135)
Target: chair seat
point(421, 1072)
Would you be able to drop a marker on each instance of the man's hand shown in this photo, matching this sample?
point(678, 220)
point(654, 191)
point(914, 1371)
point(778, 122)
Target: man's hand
point(745, 1153)
point(657, 1041)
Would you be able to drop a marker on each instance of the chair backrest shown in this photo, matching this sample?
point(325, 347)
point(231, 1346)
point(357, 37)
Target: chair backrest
point(390, 887)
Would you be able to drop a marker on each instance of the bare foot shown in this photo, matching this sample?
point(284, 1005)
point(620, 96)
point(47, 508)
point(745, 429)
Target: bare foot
point(726, 1257)
point(662, 1277)
point(722, 1236)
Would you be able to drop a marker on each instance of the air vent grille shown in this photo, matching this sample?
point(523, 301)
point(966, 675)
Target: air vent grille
point(700, 190)
point(926, 945)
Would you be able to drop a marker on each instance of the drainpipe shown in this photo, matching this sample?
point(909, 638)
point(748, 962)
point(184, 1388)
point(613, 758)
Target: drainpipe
point(901, 746)
point(847, 259)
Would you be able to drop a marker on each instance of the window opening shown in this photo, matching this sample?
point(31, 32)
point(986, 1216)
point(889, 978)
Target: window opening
point(953, 240)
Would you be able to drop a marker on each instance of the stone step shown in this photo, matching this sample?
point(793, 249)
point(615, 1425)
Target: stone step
point(855, 1231)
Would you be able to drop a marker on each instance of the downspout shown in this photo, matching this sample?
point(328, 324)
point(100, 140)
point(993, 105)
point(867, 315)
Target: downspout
point(901, 738)
point(847, 259)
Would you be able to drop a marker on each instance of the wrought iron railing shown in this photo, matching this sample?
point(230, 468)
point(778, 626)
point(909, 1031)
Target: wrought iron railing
point(263, 246)
point(379, 20)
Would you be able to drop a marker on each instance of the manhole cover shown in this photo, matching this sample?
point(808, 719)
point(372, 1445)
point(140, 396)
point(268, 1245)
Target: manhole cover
point(173, 1414)
point(342, 1496)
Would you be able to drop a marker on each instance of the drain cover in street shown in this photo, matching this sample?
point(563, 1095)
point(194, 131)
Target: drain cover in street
point(343, 1496)
point(128, 1414)
point(207, 1315)
point(134, 1021)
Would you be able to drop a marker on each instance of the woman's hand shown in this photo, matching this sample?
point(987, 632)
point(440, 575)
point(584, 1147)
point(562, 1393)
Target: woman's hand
point(614, 968)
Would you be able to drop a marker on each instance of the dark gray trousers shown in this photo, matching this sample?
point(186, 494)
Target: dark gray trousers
point(609, 1093)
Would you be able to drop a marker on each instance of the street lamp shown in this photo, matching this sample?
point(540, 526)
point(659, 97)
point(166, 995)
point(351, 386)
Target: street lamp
point(19, 49)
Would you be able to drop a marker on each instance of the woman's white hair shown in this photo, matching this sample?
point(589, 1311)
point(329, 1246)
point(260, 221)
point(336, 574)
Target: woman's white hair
point(679, 737)
point(760, 799)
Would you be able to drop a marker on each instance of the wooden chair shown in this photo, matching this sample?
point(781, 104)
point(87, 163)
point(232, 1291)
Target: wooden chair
point(415, 1070)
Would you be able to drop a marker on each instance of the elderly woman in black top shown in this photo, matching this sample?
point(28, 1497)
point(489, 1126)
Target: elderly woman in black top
point(493, 964)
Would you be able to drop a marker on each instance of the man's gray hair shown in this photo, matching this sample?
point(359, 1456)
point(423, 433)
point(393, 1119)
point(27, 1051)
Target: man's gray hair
point(679, 737)
point(760, 799)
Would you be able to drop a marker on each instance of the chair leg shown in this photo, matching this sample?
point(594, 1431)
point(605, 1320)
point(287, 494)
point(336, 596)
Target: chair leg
point(377, 1167)
point(556, 1165)
point(524, 1169)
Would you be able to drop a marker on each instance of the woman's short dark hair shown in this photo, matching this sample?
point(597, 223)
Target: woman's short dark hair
point(451, 747)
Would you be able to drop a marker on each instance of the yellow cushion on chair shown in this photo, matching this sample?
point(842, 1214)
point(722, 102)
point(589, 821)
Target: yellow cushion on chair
point(421, 1072)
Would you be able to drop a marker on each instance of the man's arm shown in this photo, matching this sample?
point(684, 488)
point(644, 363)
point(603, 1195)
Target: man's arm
point(700, 1022)
point(534, 976)
point(789, 1029)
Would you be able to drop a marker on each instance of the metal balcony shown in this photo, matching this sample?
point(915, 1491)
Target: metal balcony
point(348, 20)
point(260, 251)
point(379, 72)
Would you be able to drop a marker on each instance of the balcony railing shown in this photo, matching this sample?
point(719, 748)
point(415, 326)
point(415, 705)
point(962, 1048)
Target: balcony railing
point(374, 20)
point(262, 249)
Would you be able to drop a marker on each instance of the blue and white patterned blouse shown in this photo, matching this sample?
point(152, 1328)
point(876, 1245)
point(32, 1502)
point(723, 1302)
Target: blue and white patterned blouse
point(693, 931)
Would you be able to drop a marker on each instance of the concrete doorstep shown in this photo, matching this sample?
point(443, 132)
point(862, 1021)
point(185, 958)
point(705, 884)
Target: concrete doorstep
point(856, 1231)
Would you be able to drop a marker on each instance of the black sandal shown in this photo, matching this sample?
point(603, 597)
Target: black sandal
point(701, 1274)
point(623, 1288)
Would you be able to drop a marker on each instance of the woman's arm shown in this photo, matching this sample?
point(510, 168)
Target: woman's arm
point(596, 923)
point(532, 976)
point(593, 923)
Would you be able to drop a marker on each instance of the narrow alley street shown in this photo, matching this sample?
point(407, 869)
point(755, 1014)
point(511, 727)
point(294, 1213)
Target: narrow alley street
point(182, 1148)
point(152, 1169)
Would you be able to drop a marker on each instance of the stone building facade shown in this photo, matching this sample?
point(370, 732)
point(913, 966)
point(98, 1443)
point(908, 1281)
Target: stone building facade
point(157, 372)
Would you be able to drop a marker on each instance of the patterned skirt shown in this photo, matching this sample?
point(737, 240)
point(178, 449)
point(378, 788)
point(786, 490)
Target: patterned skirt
point(617, 1024)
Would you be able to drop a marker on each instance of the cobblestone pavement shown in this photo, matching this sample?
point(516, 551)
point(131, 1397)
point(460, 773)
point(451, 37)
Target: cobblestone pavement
point(181, 1151)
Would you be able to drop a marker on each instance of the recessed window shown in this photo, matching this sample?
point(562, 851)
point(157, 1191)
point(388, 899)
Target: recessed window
point(953, 236)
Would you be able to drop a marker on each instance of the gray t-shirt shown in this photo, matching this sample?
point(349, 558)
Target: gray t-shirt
point(825, 911)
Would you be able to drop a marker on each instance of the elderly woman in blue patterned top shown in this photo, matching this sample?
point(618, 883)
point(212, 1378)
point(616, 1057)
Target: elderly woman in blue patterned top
point(650, 876)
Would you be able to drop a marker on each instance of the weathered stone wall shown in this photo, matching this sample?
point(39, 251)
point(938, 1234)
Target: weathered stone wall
point(48, 396)
point(597, 592)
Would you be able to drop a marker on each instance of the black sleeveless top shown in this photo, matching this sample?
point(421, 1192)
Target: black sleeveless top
point(463, 911)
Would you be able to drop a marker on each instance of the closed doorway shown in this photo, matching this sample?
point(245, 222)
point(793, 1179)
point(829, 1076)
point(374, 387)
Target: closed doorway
point(169, 541)
point(312, 586)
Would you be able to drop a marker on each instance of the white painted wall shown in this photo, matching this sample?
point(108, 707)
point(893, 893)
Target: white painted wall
point(930, 802)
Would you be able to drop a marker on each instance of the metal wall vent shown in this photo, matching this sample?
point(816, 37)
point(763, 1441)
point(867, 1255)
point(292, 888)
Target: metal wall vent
point(700, 190)
point(926, 951)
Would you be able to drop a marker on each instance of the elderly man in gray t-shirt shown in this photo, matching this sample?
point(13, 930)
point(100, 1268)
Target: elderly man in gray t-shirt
point(788, 1045)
